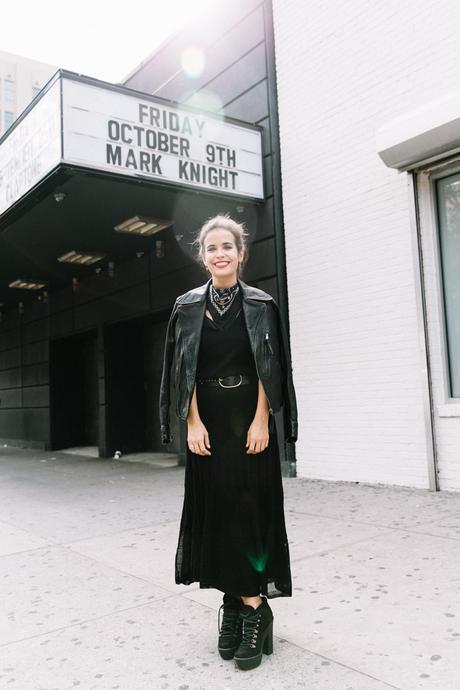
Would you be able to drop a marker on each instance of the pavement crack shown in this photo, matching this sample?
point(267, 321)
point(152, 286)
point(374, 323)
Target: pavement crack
point(87, 620)
point(345, 545)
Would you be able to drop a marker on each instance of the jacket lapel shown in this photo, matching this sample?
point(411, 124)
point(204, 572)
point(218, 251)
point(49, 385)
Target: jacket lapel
point(254, 305)
point(191, 309)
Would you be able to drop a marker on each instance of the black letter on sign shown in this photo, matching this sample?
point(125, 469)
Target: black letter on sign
point(143, 111)
point(211, 154)
point(114, 130)
point(113, 154)
point(156, 164)
point(183, 170)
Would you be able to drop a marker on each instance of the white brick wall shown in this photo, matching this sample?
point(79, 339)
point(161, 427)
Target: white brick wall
point(343, 70)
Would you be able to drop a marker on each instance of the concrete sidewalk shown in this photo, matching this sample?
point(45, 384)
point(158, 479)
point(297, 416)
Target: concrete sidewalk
point(89, 600)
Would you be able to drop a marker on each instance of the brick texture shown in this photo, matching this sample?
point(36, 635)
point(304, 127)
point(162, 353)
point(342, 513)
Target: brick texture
point(343, 70)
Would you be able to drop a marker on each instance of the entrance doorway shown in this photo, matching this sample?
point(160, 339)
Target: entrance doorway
point(133, 367)
point(74, 400)
point(125, 388)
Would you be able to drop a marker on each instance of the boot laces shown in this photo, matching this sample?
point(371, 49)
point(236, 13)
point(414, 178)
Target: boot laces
point(229, 620)
point(250, 631)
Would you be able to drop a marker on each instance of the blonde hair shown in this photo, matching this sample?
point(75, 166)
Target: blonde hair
point(223, 221)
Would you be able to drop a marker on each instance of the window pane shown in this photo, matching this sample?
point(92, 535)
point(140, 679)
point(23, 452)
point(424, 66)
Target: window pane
point(448, 193)
point(8, 119)
point(8, 91)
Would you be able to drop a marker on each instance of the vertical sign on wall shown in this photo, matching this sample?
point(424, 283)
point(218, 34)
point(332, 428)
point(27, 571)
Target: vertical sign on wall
point(31, 149)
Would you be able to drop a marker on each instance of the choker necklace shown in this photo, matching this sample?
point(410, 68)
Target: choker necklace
point(222, 298)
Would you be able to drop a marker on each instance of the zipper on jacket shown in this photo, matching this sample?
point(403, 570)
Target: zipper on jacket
point(266, 355)
point(267, 340)
point(254, 349)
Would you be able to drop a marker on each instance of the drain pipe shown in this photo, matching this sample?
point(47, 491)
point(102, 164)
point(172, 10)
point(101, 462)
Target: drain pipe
point(422, 323)
point(280, 254)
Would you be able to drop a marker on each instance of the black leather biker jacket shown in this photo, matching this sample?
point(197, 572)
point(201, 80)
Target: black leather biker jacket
point(269, 344)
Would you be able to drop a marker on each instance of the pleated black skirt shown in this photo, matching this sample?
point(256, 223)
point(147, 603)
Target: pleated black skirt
point(232, 533)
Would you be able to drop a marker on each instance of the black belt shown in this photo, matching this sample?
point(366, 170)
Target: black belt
point(227, 381)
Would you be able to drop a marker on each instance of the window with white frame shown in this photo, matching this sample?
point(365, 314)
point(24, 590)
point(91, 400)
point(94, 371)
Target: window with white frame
point(448, 206)
point(9, 91)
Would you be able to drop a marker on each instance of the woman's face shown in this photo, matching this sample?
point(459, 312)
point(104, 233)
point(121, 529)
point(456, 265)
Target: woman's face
point(221, 256)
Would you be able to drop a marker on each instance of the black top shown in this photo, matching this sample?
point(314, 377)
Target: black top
point(225, 349)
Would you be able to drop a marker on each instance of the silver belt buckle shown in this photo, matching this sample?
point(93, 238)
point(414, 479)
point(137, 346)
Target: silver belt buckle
point(236, 384)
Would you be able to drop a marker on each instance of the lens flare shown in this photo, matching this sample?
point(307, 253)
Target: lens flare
point(207, 101)
point(258, 562)
point(193, 62)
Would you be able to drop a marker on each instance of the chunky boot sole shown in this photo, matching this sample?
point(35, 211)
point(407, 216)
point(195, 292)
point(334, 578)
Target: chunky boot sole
point(227, 653)
point(251, 662)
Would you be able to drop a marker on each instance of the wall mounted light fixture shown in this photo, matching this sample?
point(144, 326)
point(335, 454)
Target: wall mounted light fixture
point(159, 249)
point(82, 258)
point(26, 284)
point(142, 225)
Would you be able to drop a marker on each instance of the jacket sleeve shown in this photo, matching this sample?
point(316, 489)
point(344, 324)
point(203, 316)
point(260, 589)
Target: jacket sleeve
point(290, 402)
point(165, 393)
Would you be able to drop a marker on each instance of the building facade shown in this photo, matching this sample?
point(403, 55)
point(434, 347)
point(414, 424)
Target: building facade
point(370, 137)
point(85, 298)
point(21, 80)
point(355, 233)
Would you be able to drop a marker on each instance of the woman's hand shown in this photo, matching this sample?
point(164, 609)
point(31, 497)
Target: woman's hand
point(197, 434)
point(198, 437)
point(258, 436)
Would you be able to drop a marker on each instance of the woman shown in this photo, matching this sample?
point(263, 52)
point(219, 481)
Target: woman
point(232, 372)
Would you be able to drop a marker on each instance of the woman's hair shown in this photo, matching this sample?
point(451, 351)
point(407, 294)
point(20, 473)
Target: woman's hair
point(223, 221)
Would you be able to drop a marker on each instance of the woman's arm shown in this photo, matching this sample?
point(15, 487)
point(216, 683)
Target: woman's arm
point(193, 414)
point(164, 401)
point(258, 435)
point(197, 434)
point(290, 402)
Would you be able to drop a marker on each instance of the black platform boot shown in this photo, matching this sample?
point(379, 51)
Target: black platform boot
point(230, 630)
point(257, 635)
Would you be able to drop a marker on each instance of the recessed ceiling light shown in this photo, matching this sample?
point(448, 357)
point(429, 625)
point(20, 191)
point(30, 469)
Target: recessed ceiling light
point(26, 284)
point(74, 257)
point(141, 225)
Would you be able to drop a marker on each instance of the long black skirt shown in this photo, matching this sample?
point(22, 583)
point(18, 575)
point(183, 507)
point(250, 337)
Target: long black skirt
point(232, 533)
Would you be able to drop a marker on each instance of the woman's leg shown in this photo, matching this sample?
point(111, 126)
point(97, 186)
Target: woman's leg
point(252, 601)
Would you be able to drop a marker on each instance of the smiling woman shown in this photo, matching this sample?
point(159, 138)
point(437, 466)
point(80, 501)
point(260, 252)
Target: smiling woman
point(232, 535)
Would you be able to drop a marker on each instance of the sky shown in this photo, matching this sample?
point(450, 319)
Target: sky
point(104, 39)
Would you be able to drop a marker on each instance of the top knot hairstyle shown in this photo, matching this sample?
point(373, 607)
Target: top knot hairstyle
point(223, 221)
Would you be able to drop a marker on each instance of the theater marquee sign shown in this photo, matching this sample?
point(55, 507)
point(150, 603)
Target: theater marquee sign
point(86, 123)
